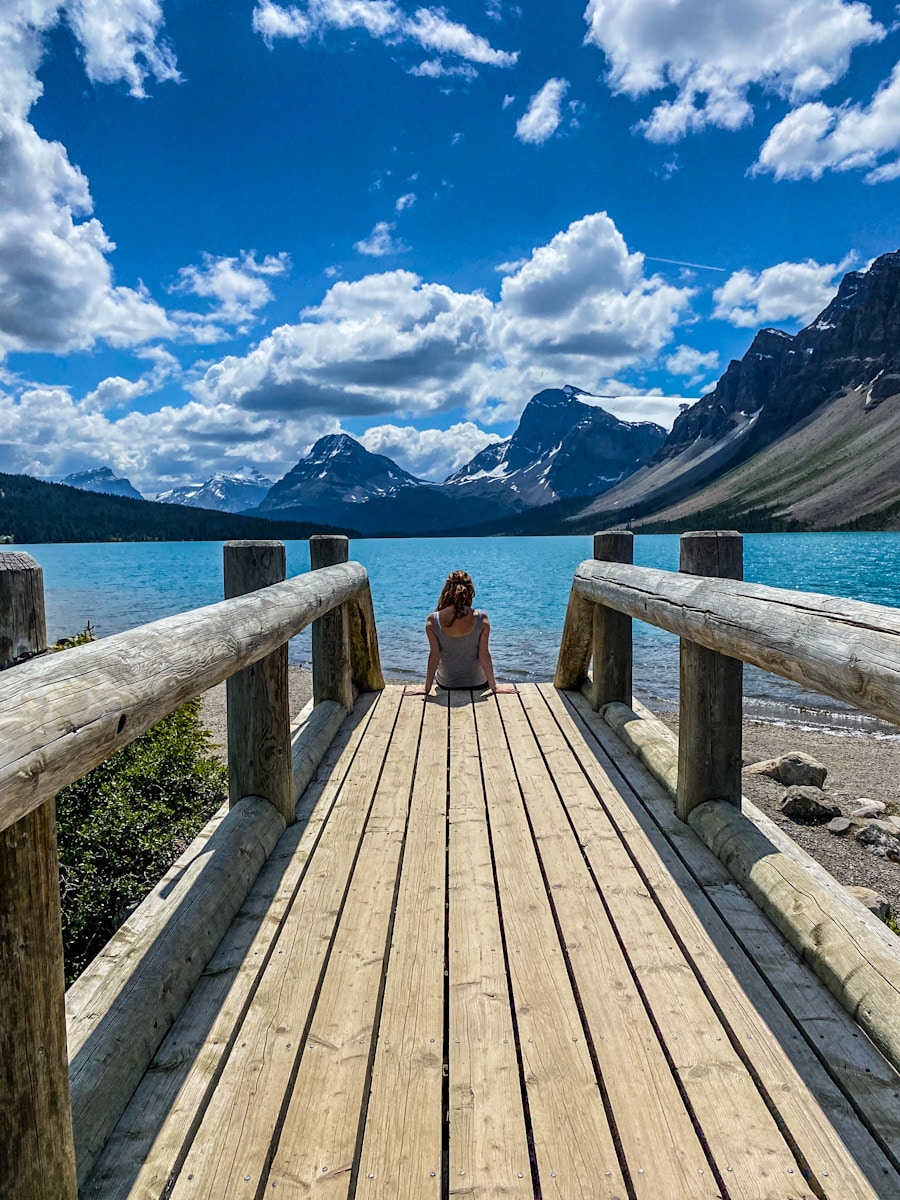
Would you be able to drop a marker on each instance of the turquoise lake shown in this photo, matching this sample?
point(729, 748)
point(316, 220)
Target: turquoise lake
point(523, 583)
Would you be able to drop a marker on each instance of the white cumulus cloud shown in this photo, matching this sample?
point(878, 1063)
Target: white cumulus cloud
point(692, 363)
point(785, 291)
point(429, 453)
point(543, 116)
point(236, 284)
point(57, 291)
point(381, 241)
point(429, 28)
point(711, 52)
point(578, 308)
point(816, 138)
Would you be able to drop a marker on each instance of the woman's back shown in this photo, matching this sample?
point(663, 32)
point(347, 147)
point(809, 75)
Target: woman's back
point(458, 638)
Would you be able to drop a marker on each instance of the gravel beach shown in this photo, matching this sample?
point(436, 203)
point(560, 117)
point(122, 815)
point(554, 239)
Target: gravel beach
point(859, 767)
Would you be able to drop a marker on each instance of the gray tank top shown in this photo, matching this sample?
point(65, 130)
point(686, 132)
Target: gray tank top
point(459, 666)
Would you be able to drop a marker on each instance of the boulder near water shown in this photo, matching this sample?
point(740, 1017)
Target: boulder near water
point(793, 769)
point(808, 804)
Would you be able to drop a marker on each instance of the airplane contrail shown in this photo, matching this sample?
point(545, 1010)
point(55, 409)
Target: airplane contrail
point(678, 263)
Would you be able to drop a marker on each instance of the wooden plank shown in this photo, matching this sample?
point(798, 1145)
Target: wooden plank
point(858, 1071)
point(63, 714)
point(851, 951)
point(573, 1144)
point(234, 1139)
point(147, 1147)
point(817, 641)
point(401, 1149)
point(316, 1146)
point(742, 1137)
point(154, 961)
point(748, 1019)
point(488, 1146)
point(658, 1140)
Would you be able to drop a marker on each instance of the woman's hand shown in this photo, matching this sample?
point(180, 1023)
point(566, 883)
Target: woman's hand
point(505, 689)
point(416, 689)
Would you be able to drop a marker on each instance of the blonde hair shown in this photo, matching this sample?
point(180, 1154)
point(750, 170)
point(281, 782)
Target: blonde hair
point(458, 591)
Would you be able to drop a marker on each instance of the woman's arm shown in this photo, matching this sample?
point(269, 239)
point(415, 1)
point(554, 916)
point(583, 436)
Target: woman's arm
point(434, 658)
point(484, 657)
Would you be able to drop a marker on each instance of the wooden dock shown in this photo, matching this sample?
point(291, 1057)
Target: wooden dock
point(523, 945)
point(484, 963)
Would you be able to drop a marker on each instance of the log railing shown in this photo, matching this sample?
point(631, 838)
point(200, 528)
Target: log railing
point(846, 649)
point(61, 715)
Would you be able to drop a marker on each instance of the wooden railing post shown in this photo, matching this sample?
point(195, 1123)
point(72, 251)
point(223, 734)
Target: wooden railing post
point(611, 673)
point(259, 716)
point(330, 633)
point(36, 1142)
point(709, 726)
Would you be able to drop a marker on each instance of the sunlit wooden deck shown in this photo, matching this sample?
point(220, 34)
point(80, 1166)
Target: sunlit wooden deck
point(489, 961)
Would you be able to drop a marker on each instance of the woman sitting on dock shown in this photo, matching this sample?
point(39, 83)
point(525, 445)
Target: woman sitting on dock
point(458, 654)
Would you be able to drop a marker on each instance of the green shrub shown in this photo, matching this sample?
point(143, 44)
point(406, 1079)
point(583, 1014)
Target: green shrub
point(122, 826)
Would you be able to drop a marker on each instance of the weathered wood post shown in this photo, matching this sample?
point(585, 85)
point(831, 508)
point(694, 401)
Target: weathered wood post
point(330, 633)
point(611, 675)
point(709, 727)
point(36, 1142)
point(259, 716)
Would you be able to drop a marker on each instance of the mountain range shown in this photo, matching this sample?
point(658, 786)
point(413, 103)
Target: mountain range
point(803, 432)
point(562, 448)
point(224, 491)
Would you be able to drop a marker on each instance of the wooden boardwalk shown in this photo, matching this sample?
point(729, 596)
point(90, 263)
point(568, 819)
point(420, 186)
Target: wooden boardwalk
point(489, 961)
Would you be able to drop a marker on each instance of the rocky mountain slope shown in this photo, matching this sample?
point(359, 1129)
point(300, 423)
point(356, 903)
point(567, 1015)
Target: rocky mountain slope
point(801, 432)
point(224, 491)
point(102, 479)
point(561, 448)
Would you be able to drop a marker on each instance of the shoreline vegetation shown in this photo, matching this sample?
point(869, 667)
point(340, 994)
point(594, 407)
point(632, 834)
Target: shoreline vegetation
point(860, 766)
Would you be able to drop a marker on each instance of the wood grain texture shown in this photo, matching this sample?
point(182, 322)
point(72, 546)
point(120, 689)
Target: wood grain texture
point(488, 1151)
point(122, 1007)
point(35, 1113)
point(573, 1141)
point(401, 1147)
point(710, 690)
point(317, 1143)
point(844, 648)
point(854, 955)
point(841, 1157)
point(612, 649)
point(861, 1072)
point(312, 732)
point(365, 658)
point(144, 1154)
point(654, 1128)
point(331, 665)
point(236, 1133)
point(257, 704)
point(576, 643)
point(63, 714)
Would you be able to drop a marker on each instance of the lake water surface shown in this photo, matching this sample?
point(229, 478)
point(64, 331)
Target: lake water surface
point(522, 582)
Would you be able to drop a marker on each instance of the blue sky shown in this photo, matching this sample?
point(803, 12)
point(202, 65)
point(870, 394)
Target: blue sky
point(228, 229)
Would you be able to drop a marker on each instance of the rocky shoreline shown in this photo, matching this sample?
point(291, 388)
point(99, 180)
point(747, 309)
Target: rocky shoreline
point(859, 767)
